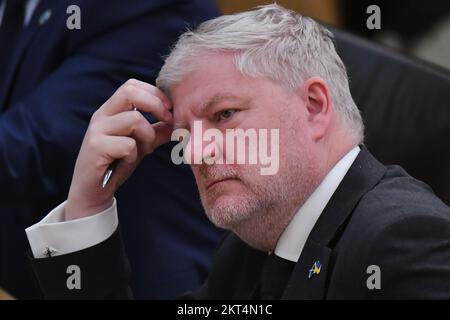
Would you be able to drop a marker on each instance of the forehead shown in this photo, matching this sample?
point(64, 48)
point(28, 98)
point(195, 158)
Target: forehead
point(214, 77)
point(210, 72)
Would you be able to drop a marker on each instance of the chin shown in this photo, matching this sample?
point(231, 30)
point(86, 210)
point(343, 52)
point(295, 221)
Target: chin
point(228, 211)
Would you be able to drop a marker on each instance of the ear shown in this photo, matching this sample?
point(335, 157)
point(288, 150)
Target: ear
point(319, 106)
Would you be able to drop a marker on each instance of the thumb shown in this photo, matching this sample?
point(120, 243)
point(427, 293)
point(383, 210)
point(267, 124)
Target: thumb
point(163, 133)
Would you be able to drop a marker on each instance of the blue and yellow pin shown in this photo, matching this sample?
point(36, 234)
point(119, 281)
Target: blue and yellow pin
point(315, 269)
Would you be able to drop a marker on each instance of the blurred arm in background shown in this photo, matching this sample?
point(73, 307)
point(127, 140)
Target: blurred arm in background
point(55, 80)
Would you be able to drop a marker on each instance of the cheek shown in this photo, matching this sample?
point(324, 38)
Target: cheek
point(197, 175)
point(250, 175)
point(293, 128)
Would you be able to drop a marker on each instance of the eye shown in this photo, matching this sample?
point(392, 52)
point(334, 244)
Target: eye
point(226, 114)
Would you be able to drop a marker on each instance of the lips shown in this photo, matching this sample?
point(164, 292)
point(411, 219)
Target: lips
point(212, 183)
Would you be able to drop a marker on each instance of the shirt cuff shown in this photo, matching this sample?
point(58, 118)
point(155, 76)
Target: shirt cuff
point(53, 236)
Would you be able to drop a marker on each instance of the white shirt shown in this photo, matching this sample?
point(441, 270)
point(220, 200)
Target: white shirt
point(62, 237)
point(53, 234)
point(29, 9)
point(293, 239)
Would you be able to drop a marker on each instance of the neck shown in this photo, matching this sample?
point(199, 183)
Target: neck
point(263, 230)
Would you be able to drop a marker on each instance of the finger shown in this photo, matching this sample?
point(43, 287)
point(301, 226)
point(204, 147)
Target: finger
point(129, 123)
point(153, 90)
point(111, 148)
point(129, 96)
point(163, 133)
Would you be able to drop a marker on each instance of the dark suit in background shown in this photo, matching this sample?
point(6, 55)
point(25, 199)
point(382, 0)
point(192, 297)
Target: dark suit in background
point(56, 79)
point(378, 216)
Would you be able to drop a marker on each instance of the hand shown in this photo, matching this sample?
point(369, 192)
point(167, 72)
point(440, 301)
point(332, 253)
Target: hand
point(117, 132)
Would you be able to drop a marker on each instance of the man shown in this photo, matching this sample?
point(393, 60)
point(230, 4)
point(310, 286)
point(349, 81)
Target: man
point(51, 82)
point(332, 223)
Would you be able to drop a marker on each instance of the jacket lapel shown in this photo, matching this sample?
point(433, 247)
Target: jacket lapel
point(306, 283)
point(26, 37)
point(362, 176)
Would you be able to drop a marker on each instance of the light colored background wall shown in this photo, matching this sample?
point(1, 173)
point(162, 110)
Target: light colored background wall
point(324, 10)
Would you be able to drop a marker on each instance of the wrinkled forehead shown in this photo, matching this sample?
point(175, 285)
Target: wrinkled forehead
point(207, 71)
point(213, 77)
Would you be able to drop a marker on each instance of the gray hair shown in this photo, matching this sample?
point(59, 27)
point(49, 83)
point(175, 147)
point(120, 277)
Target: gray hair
point(271, 42)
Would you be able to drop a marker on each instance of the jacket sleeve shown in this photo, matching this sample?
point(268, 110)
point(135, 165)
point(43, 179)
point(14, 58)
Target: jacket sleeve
point(413, 256)
point(98, 272)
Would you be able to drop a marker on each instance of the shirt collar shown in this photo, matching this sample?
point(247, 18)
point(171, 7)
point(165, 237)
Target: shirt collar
point(293, 239)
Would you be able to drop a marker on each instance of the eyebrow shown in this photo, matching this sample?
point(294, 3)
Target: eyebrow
point(217, 98)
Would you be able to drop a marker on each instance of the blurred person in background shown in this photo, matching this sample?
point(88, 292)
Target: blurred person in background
point(52, 79)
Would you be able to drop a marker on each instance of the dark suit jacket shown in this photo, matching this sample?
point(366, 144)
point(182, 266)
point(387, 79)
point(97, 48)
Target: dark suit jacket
point(58, 78)
point(378, 216)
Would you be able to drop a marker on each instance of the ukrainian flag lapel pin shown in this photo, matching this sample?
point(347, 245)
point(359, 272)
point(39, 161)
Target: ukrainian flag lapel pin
point(315, 269)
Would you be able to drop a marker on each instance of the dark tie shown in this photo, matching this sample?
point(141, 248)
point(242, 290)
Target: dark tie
point(274, 277)
point(10, 30)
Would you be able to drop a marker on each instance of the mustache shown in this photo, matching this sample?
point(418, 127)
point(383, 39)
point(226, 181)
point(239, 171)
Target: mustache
point(218, 172)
